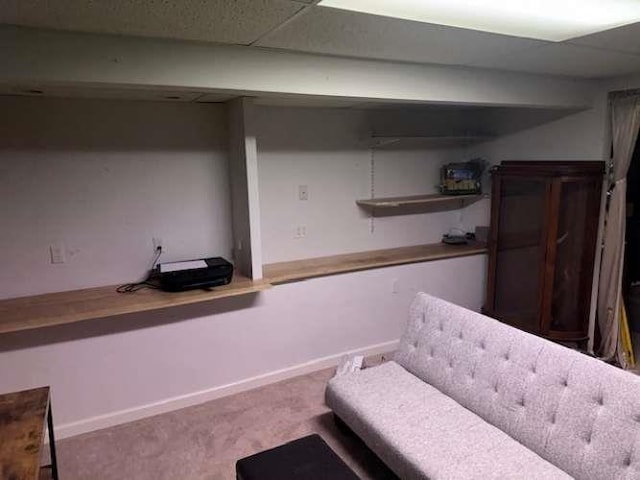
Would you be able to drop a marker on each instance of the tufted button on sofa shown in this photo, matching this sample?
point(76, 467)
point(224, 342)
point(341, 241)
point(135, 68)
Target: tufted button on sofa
point(468, 397)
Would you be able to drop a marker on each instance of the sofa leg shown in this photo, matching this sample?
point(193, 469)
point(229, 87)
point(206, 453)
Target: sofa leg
point(342, 427)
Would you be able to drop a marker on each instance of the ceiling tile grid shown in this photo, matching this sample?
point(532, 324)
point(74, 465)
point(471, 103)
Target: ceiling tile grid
point(300, 25)
point(337, 32)
point(224, 21)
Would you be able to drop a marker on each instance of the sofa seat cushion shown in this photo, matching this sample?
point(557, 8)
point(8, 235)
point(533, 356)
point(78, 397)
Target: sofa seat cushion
point(420, 433)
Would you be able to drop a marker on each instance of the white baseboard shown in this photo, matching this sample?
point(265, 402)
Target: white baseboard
point(123, 416)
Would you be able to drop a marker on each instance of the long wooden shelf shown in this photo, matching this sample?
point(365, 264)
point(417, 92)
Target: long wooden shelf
point(50, 309)
point(418, 200)
point(283, 272)
point(382, 141)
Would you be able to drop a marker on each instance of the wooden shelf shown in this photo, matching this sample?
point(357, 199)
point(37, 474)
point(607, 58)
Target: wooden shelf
point(418, 200)
point(284, 272)
point(61, 308)
point(50, 309)
point(382, 141)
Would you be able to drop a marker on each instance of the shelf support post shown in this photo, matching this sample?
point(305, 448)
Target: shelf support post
point(245, 198)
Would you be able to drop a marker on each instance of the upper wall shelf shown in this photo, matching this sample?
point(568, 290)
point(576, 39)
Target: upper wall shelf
point(434, 141)
point(412, 202)
point(50, 309)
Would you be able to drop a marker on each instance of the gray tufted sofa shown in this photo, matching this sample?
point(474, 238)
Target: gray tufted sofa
point(470, 398)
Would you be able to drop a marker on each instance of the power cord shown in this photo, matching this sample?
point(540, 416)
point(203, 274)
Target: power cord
point(134, 287)
point(147, 282)
point(157, 257)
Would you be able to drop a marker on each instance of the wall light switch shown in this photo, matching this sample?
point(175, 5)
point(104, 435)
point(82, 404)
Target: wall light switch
point(303, 192)
point(58, 253)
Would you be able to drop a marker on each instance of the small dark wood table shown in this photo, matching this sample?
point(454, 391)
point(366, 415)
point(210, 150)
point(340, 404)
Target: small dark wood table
point(22, 423)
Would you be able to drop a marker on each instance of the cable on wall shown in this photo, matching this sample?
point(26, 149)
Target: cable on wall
point(147, 282)
point(372, 187)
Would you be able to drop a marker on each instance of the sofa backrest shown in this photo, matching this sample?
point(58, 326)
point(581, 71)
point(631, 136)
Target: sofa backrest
point(575, 411)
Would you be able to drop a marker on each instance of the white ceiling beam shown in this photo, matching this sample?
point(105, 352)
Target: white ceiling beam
point(32, 56)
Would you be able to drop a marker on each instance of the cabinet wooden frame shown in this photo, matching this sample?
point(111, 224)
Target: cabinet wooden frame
point(553, 177)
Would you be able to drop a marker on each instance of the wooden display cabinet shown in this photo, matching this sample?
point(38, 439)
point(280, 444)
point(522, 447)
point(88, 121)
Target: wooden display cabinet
point(542, 241)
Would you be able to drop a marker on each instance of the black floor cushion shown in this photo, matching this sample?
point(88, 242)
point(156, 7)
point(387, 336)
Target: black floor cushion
point(308, 458)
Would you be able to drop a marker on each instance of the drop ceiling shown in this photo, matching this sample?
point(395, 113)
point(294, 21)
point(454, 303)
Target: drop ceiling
point(301, 26)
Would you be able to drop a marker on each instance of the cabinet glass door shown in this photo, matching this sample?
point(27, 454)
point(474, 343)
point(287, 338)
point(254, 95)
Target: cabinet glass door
point(575, 250)
point(520, 251)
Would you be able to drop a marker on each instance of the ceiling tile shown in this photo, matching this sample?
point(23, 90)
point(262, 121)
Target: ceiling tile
point(237, 22)
point(568, 59)
point(338, 32)
point(622, 39)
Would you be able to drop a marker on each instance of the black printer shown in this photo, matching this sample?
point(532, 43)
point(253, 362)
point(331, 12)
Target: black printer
point(191, 274)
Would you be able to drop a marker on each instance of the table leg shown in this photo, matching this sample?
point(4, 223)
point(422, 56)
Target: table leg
point(52, 445)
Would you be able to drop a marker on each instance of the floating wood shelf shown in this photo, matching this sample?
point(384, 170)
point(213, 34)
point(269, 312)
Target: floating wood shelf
point(50, 309)
point(60, 308)
point(284, 272)
point(381, 141)
point(418, 200)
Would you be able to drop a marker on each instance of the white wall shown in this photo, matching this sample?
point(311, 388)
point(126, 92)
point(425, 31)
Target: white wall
point(118, 369)
point(104, 178)
point(328, 151)
point(580, 136)
point(627, 82)
point(107, 176)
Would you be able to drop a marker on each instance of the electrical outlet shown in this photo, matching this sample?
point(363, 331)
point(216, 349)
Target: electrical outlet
point(303, 192)
point(394, 286)
point(301, 231)
point(158, 244)
point(58, 252)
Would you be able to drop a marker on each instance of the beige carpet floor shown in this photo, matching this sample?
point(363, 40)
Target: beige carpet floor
point(204, 441)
